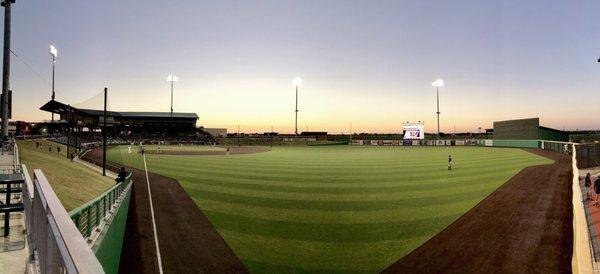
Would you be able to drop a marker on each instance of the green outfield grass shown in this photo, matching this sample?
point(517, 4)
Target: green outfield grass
point(179, 148)
point(73, 183)
point(335, 208)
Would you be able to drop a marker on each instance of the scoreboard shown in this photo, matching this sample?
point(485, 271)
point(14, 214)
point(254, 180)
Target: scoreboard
point(414, 131)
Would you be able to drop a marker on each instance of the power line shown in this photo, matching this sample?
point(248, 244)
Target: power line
point(31, 69)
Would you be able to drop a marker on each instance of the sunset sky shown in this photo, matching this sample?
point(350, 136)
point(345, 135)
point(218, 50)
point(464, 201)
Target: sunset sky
point(365, 63)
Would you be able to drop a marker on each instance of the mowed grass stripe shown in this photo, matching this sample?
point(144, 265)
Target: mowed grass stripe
point(342, 197)
point(399, 204)
point(330, 232)
point(312, 256)
point(320, 166)
point(352, 175)
point(321, 216)
point(396, 186)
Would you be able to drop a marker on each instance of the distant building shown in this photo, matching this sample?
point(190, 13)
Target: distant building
point(216, 132)
point(318, 135)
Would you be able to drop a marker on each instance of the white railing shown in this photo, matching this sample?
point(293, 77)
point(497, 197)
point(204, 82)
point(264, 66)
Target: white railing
point(55, 244)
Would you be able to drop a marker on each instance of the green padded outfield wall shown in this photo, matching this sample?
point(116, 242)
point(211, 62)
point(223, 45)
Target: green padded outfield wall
point(516, 143)
point(110, 243)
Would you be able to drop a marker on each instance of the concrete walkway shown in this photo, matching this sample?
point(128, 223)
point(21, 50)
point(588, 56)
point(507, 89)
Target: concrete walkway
point(13, 249)
point(592, 215)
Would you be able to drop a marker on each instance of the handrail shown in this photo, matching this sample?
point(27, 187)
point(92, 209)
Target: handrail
point(90, 216)
point(56, 245)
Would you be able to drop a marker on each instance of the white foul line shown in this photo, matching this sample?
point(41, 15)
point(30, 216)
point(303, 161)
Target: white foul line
point(153, 221)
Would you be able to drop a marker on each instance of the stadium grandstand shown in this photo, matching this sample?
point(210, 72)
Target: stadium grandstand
point(78, 126)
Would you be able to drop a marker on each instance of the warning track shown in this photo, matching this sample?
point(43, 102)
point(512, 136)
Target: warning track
point(188, 242)
point(523, 227)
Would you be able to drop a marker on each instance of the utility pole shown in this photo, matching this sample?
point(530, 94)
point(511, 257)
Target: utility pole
point(172, 79)
point(297, 82)
point(104, 135)
point(54, 54)
point(6, 67)
point(437, 84)
point(272, 136)
point(437, 89)
point(68, 129)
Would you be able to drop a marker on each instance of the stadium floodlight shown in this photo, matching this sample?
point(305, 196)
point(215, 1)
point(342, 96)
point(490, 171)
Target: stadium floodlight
point(297, 82)
point(53, 52)
point(172, 79)
point(437, 84)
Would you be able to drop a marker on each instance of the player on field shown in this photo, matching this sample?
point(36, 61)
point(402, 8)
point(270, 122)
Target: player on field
point(449, 162)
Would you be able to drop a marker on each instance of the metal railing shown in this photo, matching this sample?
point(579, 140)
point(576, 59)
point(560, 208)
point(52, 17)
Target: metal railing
point(55, 244)
point(90, 217)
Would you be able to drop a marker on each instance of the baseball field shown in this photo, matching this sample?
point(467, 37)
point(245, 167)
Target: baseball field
point(334, 208)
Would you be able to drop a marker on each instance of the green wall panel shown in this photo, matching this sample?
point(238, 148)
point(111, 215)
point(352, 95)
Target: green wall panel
point(108, 246)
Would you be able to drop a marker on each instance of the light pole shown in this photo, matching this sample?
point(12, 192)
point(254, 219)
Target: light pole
point(437, 84)
point(172, 79)
point(6, 72)
point(54, 54)
point(297, 82)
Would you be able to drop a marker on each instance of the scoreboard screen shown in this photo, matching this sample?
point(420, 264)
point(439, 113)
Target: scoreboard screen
point(414, 131)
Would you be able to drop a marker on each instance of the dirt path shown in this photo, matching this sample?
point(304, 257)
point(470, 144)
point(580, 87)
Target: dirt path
point(523, 227)
point(188, 242)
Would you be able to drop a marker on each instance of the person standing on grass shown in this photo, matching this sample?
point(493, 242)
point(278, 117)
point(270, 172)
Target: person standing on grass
point(597, 188)
point(588, 186)
point(449, 162)
point(58, 150)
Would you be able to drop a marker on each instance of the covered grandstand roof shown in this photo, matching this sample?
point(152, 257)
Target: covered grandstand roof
point(58, 107)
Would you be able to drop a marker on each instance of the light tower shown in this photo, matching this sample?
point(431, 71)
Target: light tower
point(297, 82)
point(172, 79)
point(6, 104)
point(54, 54)
point(437, 84)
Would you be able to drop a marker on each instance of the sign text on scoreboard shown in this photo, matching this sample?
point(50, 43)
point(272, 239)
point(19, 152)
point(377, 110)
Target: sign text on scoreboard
point(414, 131)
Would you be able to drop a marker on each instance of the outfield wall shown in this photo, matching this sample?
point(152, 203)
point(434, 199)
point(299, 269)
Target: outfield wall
point(463, 142)
point(102, 222)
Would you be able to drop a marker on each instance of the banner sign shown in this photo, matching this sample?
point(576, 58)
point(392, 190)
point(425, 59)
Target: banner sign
point(414, 131)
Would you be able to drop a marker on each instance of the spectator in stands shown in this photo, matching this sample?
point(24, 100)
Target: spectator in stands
point(449, 162)
point(597, 188)
point(121, 176)
point(588, 186)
